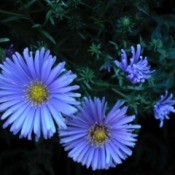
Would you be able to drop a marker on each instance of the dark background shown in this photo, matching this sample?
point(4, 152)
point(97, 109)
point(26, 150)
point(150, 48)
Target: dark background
point(87, 34)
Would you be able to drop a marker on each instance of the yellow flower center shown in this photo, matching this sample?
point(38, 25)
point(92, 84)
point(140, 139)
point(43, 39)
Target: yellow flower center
point(98, 134)
point(37, 93)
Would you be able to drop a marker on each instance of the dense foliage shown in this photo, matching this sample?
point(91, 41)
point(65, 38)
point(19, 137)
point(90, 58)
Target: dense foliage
point(89, 36)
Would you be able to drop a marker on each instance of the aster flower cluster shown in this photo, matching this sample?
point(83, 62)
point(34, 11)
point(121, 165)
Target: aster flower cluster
point(137, 70)
point(37, 99)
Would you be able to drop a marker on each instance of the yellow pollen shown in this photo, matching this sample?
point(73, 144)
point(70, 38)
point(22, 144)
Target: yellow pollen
point(37, 93)
point(98, 134)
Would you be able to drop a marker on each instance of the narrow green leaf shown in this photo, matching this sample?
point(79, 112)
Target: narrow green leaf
point(36, 26)
point(3, 40)
point(48, 15)
point(47, 35)
point(10, 13)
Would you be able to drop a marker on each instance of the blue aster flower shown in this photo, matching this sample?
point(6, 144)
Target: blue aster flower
point(99, 140)
point(163, 108)
point(35, 94)
point(137, 69)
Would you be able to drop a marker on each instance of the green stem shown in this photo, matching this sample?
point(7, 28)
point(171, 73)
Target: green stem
point(120, 93)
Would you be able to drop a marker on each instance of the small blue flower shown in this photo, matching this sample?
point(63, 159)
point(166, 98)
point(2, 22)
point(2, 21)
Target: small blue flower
point(108, 64)
point(137, 70)
point(9, 52)
point(99, 140)
point(163, 108)
point(35, 94)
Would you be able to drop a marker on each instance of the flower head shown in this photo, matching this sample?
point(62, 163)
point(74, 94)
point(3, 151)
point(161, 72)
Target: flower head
point(163, 108)
point(137, 70)
point(35, 94)
point(99, 140)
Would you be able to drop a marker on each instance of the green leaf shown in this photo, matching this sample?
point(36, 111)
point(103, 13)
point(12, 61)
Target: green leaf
point(48, 16)
point(36, 26)
point(4, 40)
point(47, 35)
point(13, 18)
point(10, 13)
point(143, 8)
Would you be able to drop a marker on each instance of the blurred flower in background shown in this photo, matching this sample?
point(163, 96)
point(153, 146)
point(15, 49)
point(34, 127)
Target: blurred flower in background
point(107, 64)
point(99, 140)
point(163, 107)
point(35, 95)
point(9, 52)
point(4, 53)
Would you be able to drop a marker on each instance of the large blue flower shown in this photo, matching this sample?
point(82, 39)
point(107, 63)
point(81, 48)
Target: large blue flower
point(34, 94)
point(137, 70)
point(98, 140)
point(163, 108)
